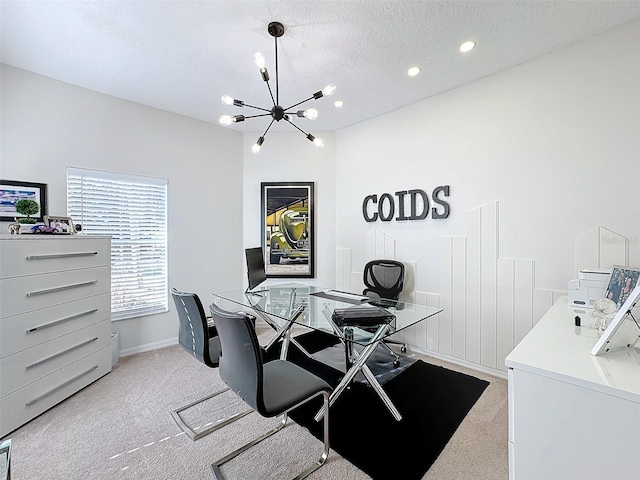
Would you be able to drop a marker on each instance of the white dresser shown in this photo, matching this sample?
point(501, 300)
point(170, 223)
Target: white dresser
point(55, 321)
point(573, 415)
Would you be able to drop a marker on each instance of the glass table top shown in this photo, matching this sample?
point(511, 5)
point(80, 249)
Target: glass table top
point(313, 307)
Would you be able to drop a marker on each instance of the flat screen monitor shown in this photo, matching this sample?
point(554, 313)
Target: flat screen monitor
point(255, 267)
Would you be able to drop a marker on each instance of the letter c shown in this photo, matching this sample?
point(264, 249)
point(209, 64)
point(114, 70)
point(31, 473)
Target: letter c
point(367, 199)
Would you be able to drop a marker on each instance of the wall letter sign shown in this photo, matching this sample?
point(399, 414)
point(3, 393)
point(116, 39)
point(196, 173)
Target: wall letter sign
point(385, 208)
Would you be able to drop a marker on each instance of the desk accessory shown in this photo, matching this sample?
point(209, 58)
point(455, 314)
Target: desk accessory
point(604, 343)
point(365, 316)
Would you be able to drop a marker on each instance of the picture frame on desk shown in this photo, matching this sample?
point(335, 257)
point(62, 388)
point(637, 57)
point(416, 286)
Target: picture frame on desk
point(605, 342)
point(60, 225)
point(621, 283)
point(288, 229)
point(12, 190)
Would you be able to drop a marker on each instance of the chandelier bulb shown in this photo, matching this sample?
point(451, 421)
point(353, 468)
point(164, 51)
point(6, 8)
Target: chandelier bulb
point(316, 141)
point(309, 113)
point(258, 58)
point(226, 100)
point(329, 89)
point(225, 120)
point(256, 146)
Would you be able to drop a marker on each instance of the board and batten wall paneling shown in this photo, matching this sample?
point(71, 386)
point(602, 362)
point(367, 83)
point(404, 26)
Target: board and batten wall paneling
point(474, 285)
point(506, 309)
point(459, 297)
point(421, 328)
point(489, 281)
point(489, 303)
point(523, 299)
point(446, 286)
point(343, 269)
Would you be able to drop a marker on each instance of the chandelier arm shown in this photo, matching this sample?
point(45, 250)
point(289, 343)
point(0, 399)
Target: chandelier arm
point(257, 108)
point(256, 116)
point(275, 39)
point(265, 132)
point(299, 103)
point(271, 93)
point(295, 126)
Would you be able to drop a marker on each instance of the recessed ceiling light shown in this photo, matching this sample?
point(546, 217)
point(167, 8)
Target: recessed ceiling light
point(338, 103)
point(413, 71)
point(466, 46)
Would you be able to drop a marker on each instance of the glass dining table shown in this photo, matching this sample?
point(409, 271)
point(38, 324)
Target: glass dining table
point(283, 306)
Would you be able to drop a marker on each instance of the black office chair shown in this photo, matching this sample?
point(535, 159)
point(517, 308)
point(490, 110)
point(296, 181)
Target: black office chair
point(384, 281)
point(271, 389)
point(200, 339)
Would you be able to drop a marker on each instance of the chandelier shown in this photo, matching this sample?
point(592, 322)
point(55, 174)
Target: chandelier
point(277, 112)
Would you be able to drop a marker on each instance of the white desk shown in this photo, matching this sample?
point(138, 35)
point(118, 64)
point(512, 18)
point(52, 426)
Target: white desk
point(572, 415)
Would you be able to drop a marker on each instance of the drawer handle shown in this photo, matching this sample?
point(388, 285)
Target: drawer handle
point(56, 322)
point(51, 357)
point(58, 289)
point(62, 385)
point(61, 255)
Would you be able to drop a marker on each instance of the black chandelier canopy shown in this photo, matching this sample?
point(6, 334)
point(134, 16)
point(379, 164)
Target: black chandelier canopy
point(276, 112)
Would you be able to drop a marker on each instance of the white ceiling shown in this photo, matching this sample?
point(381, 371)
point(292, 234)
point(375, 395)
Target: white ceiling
point(181, 56)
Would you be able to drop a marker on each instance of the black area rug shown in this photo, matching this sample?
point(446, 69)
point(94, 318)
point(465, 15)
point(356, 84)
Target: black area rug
point(432, 400)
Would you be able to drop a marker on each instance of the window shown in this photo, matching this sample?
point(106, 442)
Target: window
point(133, 211)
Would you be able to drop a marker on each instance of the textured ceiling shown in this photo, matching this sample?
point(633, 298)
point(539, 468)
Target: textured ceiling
point(181, 56)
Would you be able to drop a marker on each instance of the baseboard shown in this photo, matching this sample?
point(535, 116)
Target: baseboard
point(463, 363)
point(148, 347)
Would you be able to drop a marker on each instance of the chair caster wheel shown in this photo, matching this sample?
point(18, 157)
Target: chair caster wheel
point(403, 349)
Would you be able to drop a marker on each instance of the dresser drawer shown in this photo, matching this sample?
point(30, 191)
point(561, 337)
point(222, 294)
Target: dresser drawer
point(26, 294)
point(27, 366)
point(30, 329)
point(32, 256)
point(22, 405)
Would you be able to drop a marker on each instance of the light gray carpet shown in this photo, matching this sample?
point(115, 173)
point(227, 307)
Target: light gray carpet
point(120, 427)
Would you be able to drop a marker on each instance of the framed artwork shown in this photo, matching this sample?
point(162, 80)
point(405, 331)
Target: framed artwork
point(12, 191)
point(622, 281)
point(288, 229)
point(60, 225)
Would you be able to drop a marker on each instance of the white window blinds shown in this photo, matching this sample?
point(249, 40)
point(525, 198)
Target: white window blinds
point(133, 211)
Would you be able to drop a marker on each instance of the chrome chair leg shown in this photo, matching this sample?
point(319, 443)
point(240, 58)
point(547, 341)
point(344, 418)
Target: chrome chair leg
point(396, 361)
point(215, 467)
point(192, 434)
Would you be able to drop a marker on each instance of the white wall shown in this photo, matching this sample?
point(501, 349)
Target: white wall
point(548, 148)
point(289, 157)
point(48, 125)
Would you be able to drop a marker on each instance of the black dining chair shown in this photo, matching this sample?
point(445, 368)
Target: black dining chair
point(271, 389)
point(384, 281)
point(200, 339)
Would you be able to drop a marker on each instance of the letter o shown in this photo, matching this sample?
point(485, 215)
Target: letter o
point(392, 207)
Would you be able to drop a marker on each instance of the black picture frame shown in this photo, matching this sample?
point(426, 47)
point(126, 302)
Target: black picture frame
point(12, 190)
point(288, 229)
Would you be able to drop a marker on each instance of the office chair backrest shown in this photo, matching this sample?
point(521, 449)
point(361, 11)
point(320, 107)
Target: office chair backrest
point(256, 273)
point(384, 278)
point(240, 357)
point(193, 331)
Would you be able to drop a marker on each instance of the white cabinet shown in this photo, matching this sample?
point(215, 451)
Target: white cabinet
point(572, 415)
point(55, 321)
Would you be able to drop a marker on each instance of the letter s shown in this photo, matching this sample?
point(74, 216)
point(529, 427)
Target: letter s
point(445, 205)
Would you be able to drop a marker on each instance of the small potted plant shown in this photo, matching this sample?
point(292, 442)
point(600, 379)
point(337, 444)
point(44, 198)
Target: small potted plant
point(28, 208)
